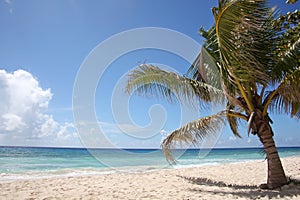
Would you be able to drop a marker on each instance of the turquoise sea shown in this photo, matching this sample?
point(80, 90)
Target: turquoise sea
point(33, 162)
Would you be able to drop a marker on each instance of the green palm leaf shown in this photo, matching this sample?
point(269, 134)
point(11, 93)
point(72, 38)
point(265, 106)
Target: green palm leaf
point(290, 86)
point(209, 55)
point(193, 133)
point(233, 119)
point(245, 35)
point(205, 69)
point(286, 98)
point(246, 53)
point(288, 47)
point(151, 81)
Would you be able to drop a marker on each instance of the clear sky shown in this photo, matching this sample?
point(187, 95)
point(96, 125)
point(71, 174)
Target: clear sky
point(44, 43)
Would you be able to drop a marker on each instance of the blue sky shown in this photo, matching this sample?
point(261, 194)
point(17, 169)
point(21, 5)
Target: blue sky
point(44, 44)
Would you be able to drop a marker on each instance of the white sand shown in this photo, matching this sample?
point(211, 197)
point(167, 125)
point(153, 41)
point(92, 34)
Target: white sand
point(228, 181)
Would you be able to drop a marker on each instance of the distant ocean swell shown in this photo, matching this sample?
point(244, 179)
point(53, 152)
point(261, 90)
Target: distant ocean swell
point(31, 163)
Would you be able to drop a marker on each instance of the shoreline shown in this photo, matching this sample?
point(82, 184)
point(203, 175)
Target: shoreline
point(92, 171)
point(225, 181)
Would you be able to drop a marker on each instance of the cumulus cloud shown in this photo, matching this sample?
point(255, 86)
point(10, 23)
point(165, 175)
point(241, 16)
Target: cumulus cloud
point(163, 132)
point(23, 117)
point(232, 138)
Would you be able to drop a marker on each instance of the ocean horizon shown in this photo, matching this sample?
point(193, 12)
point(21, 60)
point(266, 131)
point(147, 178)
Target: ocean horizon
point(45, 162)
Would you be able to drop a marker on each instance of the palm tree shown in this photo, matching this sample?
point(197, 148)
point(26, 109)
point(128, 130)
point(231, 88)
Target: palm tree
point(249, 63)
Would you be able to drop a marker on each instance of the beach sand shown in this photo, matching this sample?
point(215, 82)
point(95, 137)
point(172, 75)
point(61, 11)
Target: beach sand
point(227, 181)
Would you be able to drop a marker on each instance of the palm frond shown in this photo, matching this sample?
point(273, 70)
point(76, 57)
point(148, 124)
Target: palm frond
point(288, 47)
point(149, 80)
point(205, 69)
point(232, 119)
point(208, 60)
point(245, 36)
point(209, 52)
point(290, 86)
point(286, 98)
point(295, 110)
point(211, 42)
point(282, 105)
point(193, 132)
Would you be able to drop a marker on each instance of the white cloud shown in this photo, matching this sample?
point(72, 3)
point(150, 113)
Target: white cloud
point(12, 122)
point(232, 138)
point(23, 117)
point(163, 132)
point(48, 127)
point(229, 140)
point(66, 131)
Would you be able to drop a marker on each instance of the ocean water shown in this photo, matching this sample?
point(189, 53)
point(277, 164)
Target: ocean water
point(32, 162)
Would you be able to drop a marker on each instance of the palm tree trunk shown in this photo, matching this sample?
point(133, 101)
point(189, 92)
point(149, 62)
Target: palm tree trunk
point(276, 175)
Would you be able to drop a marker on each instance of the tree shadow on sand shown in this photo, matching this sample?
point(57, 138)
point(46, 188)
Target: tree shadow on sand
point(245, 191)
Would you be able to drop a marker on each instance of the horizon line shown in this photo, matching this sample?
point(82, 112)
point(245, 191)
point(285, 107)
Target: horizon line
point(134, 148)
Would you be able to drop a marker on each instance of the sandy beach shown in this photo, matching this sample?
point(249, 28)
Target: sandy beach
point(227, 181)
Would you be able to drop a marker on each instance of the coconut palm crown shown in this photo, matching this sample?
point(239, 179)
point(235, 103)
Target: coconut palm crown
point(249, 63)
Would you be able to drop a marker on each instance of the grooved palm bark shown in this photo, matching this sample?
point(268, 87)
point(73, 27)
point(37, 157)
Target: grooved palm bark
point(276, 175)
